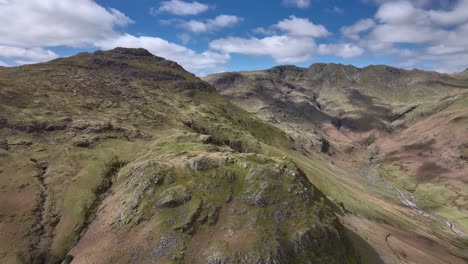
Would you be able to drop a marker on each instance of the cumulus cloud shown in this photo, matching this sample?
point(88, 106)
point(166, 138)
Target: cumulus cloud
point(200, 63)
point(181, 8)
point(46, 23)
point(42, 24)
point(360, 26)
point(284, 49)
point(291, 40)
point(210, 25)
point(439, 36)
point(297, 3)
point(296, 26)
point(458, 14)
point(345, 50)
point(27, 55)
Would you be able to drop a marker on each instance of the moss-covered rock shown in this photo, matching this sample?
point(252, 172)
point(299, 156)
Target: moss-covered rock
point(174, 197)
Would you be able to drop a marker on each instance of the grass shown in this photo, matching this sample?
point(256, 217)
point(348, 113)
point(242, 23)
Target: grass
point(390, 173)
point(434, 197)
point(78, 198)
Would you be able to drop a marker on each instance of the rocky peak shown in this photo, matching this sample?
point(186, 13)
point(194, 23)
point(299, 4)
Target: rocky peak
point(332, 74)
point(138, 52)
point(285, 69)
point(329, 68)
point(228, 78)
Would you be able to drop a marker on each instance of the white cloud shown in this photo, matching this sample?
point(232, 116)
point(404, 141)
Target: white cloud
point(264, 31)
point(301, 27)
point(41, 24)
point(27, 56)
point(337, 10)
point(46, 23)
point(419, 3)
point(406, 34)
point(3, 64)
point(184, 38)
point(297, 3)
point(360, 26)
point(291, 40)
point(284, 49)
point(458, 14)
point(210, 25)
point(181, 8)
point(438, 36)
point(345, 50)
point(200, 63)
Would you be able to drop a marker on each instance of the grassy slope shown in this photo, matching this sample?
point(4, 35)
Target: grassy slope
point(71, 124)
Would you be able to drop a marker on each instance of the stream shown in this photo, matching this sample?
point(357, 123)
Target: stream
point(406, 199)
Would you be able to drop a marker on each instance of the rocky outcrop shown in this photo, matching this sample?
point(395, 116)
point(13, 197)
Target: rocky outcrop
point(173, 197)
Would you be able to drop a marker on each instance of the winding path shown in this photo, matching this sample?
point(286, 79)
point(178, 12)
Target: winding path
point(407, 199)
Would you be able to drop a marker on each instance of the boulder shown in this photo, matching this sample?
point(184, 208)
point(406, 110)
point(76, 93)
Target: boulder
point(174, 197)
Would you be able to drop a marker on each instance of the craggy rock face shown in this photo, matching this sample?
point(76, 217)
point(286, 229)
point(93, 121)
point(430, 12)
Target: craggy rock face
point(123, 157)
point(233, 208)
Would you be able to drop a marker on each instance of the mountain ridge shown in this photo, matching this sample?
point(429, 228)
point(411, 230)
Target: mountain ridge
point(122, 156)
point(400, 129)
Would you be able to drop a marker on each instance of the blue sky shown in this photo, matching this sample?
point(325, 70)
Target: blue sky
point(207, 36)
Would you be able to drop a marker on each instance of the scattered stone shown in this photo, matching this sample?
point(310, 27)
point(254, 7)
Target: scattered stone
point(165, 245)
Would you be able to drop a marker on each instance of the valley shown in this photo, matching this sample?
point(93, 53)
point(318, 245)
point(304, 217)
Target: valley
point(396, 129)
point(121, 156)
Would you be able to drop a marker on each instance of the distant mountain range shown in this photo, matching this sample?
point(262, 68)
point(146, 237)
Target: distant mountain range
point(121, 156)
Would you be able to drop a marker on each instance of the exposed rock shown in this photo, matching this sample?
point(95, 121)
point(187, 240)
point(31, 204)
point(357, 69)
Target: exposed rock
point(258, 195)
point(325, 146)
point(81, 142)
point(98, 127)
point(165, 245)
point(140, 52)
point(4, 144)
point(79, 124)
point(199, 164)
point(151, 173)
point(174, 197)
point(29, 126)
point(68, 259)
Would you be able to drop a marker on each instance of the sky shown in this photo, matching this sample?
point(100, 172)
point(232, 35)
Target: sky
point(207, 36)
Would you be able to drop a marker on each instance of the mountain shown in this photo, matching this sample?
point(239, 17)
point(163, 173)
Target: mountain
point(121, 156)
point(395, 138)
